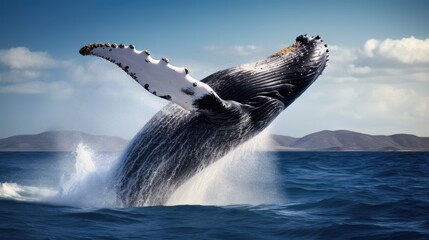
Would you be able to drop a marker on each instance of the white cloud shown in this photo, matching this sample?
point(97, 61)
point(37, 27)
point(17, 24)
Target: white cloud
point(368, 64)
point(23, 58)
point(18, 75)
point(58, 89)
point(370, 46)
point(30, 73)
point(366, 89)
point(406, 50)
point(353, 69)
point(238, 50)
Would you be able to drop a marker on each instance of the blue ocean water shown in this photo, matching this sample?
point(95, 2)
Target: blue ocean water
point(303, 195)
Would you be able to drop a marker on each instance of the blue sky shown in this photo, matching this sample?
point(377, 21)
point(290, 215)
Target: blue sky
point(376, 82)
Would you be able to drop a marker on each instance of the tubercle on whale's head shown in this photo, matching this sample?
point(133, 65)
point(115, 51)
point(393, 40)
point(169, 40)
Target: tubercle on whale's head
point(301, 41)
point(287, 49)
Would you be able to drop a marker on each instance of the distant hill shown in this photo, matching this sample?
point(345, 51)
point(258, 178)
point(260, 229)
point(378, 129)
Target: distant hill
point(61, 141)
point(340, 140)
point(343, 140)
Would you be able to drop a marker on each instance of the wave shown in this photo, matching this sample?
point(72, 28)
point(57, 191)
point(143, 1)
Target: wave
point(25, 193)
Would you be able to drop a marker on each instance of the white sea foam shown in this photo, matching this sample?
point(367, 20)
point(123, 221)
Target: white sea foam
point(24, 193)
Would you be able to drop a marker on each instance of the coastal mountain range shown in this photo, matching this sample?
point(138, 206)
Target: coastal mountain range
point(343, 140)
point(340, 140)
point(62, 141)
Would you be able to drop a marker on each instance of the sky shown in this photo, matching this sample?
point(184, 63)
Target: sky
point(376, 82)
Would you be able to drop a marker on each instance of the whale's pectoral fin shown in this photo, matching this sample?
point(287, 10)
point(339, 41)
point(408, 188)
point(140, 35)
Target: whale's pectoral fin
point(158, 77)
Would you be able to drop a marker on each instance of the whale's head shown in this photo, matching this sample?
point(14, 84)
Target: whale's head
point(268, 86)
point(295, 68)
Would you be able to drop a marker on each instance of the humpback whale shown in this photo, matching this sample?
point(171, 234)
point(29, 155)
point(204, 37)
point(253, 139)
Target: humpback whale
point(205, 119)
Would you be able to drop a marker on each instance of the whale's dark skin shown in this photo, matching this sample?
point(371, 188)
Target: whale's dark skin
point(175, 144)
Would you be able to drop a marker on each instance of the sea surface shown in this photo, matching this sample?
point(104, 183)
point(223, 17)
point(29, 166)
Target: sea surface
point(273, 195)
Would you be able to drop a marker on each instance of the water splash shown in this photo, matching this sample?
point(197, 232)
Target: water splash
point(84, 169)
point(89, 184)
point(244, 176)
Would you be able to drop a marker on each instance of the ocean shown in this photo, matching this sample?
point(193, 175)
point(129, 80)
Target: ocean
point(263, 195)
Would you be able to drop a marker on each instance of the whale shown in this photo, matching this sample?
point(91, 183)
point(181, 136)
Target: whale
point(205, 119)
